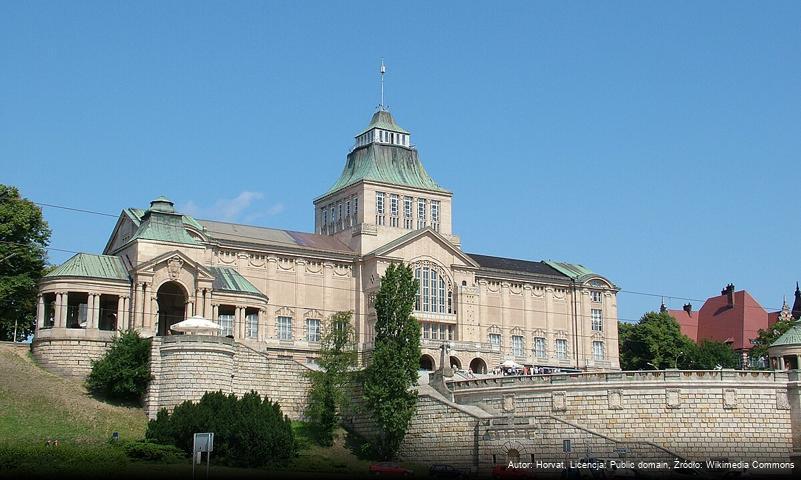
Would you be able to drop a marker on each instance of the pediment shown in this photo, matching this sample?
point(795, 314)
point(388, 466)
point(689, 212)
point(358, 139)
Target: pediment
point(175, 261)
point(434, 244)
point(124, 230)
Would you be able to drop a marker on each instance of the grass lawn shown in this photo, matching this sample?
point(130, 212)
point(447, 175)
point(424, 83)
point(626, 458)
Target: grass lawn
point(37, 405)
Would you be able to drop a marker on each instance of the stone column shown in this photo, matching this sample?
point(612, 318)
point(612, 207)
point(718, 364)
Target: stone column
point(39, 312)
point(65, 299)
point(147, 318)
point(506, 337)
point(215, 312)
point(136, 314)
point(90, 310)
point(781, 362)
point(57, 310)
point(198, 302)
point(550, 335)
point(120, 312)
point(238, 331)
point(262, 324)
point(96, 314)
point(126, 313)
point(207, 303)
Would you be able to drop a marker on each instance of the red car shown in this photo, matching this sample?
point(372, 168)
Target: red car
point(503, 471)
point(389, 469)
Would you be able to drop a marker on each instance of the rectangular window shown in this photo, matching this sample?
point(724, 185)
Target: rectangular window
point(226, 325)
point(597, 320)
point(407, 212)
point(379, 208)
point(312, 330)
point(595, 295)
point(355, 209)
point(598, 351)
point(323, 220)
point(252, 325)
point(285, 328)
point(539, 347)
point(426, 330)
point(394, 210)
point(495, 339)
point(517, 345)
point(425, 291)
point(348, 218)
point(561, 349)
point(421, 213)
point(450, 332)
point(331, 219)
point(435, 215)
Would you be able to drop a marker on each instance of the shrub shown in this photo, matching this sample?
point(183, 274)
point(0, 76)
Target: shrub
point(248, 431)
point(156, 452)
point(123, 372)
point(91, 460)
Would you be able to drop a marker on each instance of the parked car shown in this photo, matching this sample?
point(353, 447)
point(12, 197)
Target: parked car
point(389, 469)
point(503, 471)
point(446, 471)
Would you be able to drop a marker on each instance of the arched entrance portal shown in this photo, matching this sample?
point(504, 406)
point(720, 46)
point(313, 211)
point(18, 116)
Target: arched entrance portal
point(455, 363)
point(172, 306)
point(478, 365)
point(427, 363)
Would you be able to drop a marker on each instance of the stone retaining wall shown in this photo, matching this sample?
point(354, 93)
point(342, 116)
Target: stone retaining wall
point(69, 357)
point(696, 415)
point(184, 367)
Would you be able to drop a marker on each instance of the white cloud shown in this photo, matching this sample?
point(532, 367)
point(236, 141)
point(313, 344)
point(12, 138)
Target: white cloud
point(231, 209)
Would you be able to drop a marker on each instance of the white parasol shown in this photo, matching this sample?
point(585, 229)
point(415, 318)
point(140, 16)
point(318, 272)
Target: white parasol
point(196, 325)
point(510, 364)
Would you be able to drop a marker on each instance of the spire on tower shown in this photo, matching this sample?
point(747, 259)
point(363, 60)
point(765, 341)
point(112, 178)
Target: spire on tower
point(383, 70)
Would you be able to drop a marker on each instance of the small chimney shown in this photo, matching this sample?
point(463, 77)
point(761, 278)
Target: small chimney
point(688, 307)
point(729, 292)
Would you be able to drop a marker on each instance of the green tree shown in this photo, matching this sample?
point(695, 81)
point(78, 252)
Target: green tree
point(24, 235)
point(710, 354)
point(124, 371)
point(655, 342)
point(329, 391)
point(767, 336)
point(390, 377)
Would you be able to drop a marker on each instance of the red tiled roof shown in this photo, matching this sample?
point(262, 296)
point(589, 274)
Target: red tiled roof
point(717, 320)
point(687, 321)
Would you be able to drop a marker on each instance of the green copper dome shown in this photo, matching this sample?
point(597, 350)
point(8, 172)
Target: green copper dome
point(790, 337)
point(386, 164)
point(383, 119)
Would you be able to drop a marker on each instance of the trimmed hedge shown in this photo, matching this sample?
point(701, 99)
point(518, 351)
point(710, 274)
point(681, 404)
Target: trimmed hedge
point(154, 452)
point(248, 431)
point(91, 460)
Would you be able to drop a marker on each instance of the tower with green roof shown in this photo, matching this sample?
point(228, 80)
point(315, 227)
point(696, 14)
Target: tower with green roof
point(384, 191)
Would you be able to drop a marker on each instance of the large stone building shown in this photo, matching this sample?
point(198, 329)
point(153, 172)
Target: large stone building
point(271, 290)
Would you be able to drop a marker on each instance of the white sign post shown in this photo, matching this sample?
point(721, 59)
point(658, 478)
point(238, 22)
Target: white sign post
point(204, 442)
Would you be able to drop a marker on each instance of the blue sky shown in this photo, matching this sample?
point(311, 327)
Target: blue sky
point(656, 143)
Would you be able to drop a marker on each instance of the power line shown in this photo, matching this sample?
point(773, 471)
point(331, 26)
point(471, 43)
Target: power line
point(94, 212)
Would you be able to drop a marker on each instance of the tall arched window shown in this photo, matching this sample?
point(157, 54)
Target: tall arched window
point(435, 294)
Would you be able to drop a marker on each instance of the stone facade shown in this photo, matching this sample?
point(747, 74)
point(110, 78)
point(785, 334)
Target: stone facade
point(273, 290)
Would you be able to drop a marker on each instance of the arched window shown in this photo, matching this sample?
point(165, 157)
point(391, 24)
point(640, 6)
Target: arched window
point(435, 294)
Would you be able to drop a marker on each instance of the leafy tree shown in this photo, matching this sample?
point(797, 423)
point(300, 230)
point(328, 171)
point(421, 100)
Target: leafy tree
point(392, 373)
point(24, 234)
point(710, 354)
point(767, 336)
point(124, 371)
point(328, 393)
point(248, 431)
point(655, 342)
